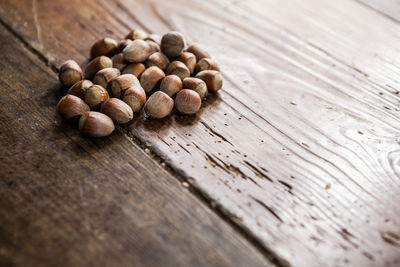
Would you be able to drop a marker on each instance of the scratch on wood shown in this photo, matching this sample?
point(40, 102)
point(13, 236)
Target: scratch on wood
point(215, 133)
point(268, 208)
point(36, 20)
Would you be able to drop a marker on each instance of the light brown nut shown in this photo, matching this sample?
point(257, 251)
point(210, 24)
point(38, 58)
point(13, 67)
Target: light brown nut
point(96, 124)
point(95, 65)
point(79, 88)
point(71, 107)
point(104, 47)
point(134, 69)
point(136, 34)
point(117, 110)
point(70, 73)
point(179, 69)
point(212, 78)
point(171, 85)
point(154, 37)
point(206, 64)
point(122, 44)
point(187, 101)
point(95, 96)
point(119, 62)
point(172, 44)
point(137, 51)
point(189, 59)
point(151, 78)
point(198, 51)
point(154, 47)
point(157, 59)
point(104, 76)
point(159, 105)
point(135, 97)
point(122, 83)
point(197, 85)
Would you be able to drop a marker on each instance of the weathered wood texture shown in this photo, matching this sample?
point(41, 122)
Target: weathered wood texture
point(301, 146)
point(390, 8)
point(69, 201)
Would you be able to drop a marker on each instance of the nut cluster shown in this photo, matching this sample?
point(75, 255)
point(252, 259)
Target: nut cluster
point(141, 72)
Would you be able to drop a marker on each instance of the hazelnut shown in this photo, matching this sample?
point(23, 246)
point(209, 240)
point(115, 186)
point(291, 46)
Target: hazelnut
point(159, 105)
point(104, 76)
point(137, 51)
point(196, 85)
point(179, 69)
point(135, 97)
point(79, 88)
point(136, 34)
point(117, 110)
point(122, 44)
point(134, 69)
point(170, 85)
point(212, 78)
point(70, 73)
point(122, 83)
point(187, 101)
point(104, 47)
point(151, 78)
point(95, 65)
point(154, 47)
point(172, 44)
point(189, 60)
point(198, 51)
point(71, 107)
point(96, 124)
point(119, 62)
point(157, 59)
point(154, 37)
point(206, 64)
point(95, 95)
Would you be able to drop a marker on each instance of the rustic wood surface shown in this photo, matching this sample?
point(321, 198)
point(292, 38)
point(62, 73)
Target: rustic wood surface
point(301, 147)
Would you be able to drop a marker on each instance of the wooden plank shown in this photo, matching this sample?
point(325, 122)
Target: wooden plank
point(300, 147)
point(66, 200)
point(390, 8)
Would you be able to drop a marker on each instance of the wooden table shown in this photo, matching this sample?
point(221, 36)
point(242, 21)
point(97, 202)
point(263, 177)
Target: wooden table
point(295, 162)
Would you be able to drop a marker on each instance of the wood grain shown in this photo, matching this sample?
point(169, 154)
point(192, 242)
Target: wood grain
point(301, 147)
point(66, 200)
point(390, 8)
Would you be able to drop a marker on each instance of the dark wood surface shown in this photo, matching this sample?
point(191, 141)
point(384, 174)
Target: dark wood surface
point(300, 148)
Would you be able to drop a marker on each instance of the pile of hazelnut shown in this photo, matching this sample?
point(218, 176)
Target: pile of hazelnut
point(142, 71)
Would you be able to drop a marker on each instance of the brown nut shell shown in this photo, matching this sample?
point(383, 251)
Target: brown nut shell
point(135, 34)
point(71, 107)
point(189, 59)
point(197, 85)
point(154, 37)
point(212, 78)
point(122, 83)
point(172, 44)
point(117, 110)
point(187, 101)
point(135, 69)
point(179, 69)
point(198, 51)
point(157, 59)
point(104, 76)
point(119, 62)
point(154, 47)
point(137, 51)
point(206, 64)
point(171, 85)
point(79, 88)
point(151, 78)
point(96, 124)
point(122, 44)
point(135, 97)
point(97, 64)
point(70, 73)
point(159, 105)
point(104, 47)
point(95, 96)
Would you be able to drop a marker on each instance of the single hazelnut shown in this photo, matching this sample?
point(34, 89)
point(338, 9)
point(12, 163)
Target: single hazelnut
point(137, 51)
point(159, 105)
point(119, 62)
point(136, 34)
point(122, 83)
point(187, 101)
point(189, 60)
point(170, 85)
point(71, 107)
point(179, 69)
point(95, 96)
point(70, 73)
point(95, 65)
point(154, 37)
point(104, 47)
point(196, 85)
point(117, 110)
point(172, 44)
point(198, 51)
point(157, 59)
point(134, 69)
point(135, 97)
point(96, 124)
point(122, 44)
point(79, 88)
point(104, 76)
point(151, 78)
point(212, 78)
point(154, 47)
point(206, 64)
